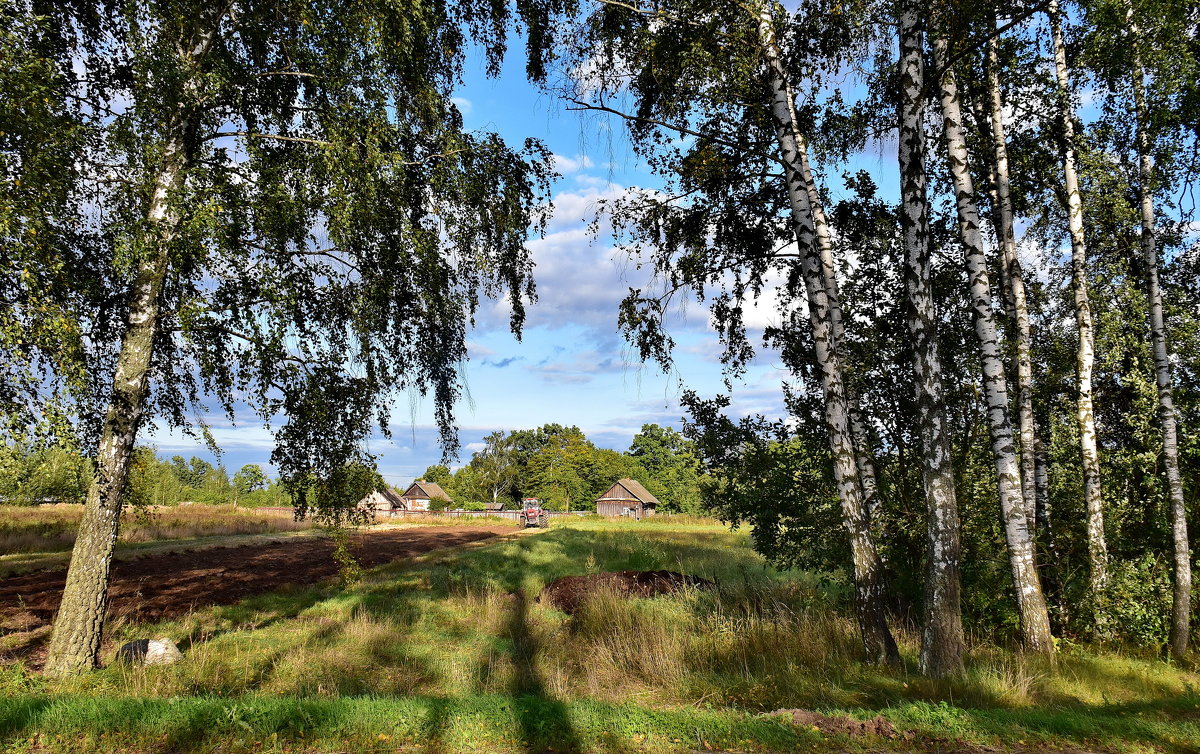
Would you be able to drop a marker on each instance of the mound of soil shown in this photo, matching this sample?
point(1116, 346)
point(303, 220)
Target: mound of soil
point(840, 724)
point(568, 592)
point(167, 585)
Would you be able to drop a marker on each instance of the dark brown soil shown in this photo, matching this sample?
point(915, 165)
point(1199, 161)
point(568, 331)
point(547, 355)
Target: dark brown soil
point(840, 724)
point(166, 585)
point(568, 592)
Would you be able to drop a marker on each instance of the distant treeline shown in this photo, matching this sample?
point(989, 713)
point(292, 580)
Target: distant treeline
point(58, 475)
point(556, 463)
point(565, 469)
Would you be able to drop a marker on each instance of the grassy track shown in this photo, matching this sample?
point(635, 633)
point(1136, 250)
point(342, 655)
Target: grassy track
point(454, 653)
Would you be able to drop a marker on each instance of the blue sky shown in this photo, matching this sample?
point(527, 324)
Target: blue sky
point(571, 366)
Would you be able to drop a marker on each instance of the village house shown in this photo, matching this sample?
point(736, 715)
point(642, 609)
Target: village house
point(627, 498)
point(420, 494)
point(382, 500)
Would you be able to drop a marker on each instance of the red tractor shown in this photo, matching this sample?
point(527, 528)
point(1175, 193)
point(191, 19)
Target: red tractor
point(532, 514)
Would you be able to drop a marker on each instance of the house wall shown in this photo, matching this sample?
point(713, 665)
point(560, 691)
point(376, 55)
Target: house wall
point(618, 507)
point(375, 501)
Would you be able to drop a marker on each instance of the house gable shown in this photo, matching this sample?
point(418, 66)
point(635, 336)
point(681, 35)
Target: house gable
point(626, 497)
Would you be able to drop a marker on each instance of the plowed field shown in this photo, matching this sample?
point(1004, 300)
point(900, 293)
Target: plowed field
point(166, 585)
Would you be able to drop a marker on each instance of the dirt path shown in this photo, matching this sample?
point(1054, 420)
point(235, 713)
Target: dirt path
point(165, 585)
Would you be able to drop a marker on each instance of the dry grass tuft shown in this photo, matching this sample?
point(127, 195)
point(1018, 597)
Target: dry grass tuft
point(51, 528)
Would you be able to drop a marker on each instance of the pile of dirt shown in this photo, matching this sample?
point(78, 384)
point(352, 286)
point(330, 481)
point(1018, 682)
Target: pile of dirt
point(166, 585)
point(839, 725)
point(568, 592)
point(909, 740)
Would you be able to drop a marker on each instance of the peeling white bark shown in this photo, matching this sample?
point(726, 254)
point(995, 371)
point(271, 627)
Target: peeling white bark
point(1035, 619)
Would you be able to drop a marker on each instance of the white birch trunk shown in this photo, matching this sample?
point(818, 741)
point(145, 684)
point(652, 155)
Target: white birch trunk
point(866, 465)
point(1085, 356)
point(862, 445)
point(942, 635)
point(1014, 280)
point(1035, 619)
point(878, 642)
point(78, 627)
point(1181, 611)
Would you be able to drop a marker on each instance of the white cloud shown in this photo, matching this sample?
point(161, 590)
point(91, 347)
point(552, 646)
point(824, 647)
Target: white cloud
point(569, 165)
point(478, 350)
point(463, 104)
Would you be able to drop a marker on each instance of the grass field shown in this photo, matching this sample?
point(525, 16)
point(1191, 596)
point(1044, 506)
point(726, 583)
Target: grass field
point(51, 528)
point(453, 652)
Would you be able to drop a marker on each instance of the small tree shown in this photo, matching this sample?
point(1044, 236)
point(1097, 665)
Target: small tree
point(249, 478)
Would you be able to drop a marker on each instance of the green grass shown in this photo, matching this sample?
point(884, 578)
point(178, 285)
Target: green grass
point(454, 652)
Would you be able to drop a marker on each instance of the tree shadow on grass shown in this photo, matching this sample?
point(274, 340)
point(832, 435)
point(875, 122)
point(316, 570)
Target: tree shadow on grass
point(19, 715)
point(545, 722)
point(435, 725)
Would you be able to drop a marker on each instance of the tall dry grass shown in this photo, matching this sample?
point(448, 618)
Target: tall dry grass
point(51, 528)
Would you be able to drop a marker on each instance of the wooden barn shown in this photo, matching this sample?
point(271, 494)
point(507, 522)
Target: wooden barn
point(382, 500)
point(420, 494)
point(627, 498)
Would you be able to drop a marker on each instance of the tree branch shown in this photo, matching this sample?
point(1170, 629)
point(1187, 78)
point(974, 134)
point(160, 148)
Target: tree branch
point(1039, 5)
point(671, 126)
point(275, 137)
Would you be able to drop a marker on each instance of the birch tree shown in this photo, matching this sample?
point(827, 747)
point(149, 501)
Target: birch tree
point(1182, 592)
point(1035, 620)
point(1085, 356)
point(762, 151)
point(942, 638)
point(277, 205)
point(825, 319)
point(1014, 282)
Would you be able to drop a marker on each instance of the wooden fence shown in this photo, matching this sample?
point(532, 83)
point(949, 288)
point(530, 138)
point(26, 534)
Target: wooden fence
point(510, 515)
point(401, 515)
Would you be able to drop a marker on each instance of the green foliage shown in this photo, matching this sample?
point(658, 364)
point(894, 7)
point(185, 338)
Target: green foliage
point(329, 227)
point(438, 474)
point(776, 482)
point(672, 467)
point(50, 475)
point(566, 470)
point(249, 478)
point(1138, 601)
point(350, 571)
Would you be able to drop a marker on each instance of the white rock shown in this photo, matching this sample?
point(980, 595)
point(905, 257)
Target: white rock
point(150, 652)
